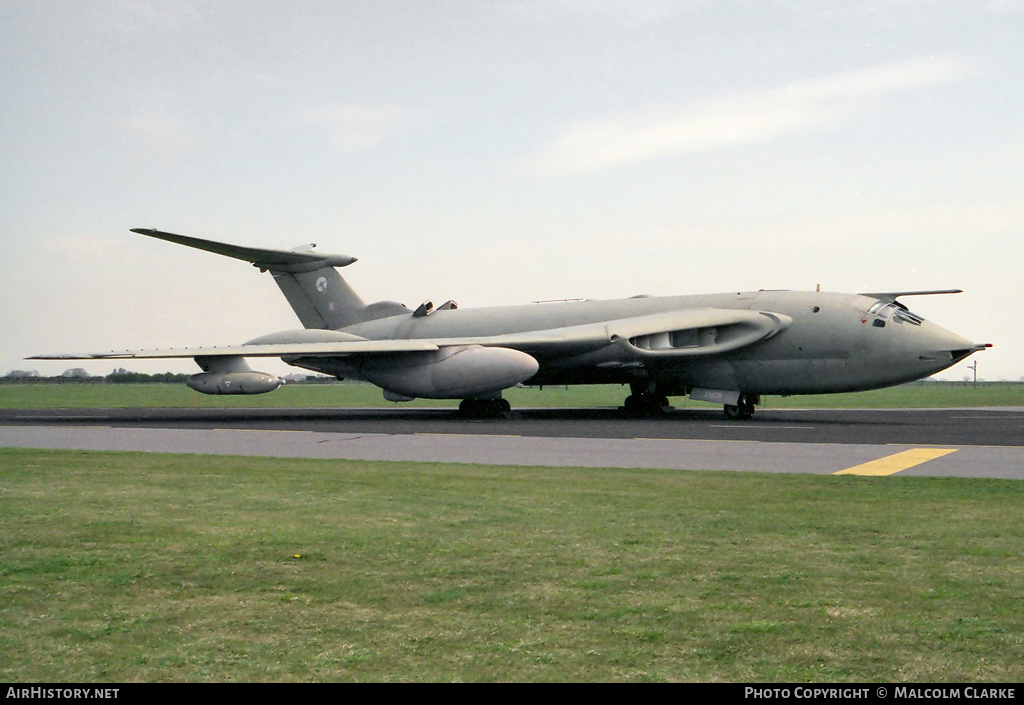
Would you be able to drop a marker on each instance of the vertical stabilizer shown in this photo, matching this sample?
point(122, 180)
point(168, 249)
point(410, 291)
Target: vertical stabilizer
point(321, 298)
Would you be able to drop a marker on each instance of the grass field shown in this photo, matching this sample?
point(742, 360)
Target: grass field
point(38, 396)
point(148, 567)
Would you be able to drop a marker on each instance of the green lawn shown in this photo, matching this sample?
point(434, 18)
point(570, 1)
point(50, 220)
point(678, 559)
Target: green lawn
point(148, 567)
point(39, 396)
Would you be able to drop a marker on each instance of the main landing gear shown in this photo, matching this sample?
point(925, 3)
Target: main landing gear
point(645, 400)
point(485, 408)
point(744, 407)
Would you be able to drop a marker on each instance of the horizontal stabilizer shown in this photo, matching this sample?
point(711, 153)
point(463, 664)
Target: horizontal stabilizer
point(298, 260)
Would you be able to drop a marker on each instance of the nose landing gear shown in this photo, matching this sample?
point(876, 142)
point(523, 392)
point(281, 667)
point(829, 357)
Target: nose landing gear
point(744, 407)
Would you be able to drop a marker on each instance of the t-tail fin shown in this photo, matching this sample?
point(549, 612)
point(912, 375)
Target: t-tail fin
point(320, 297)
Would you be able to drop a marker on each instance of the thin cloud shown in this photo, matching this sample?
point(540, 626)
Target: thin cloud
point(157, 129)
point(136, 17)
point(732, 120)
point(357, 128)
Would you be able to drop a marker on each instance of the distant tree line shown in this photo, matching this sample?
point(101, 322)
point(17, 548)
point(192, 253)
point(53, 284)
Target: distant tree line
point(122, 376)
point(119, 377)
point(142, 378)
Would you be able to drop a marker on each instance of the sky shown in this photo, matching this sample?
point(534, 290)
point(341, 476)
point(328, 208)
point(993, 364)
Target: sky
point(502, 153)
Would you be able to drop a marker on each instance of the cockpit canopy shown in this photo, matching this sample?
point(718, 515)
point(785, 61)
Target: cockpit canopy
point(898, 312)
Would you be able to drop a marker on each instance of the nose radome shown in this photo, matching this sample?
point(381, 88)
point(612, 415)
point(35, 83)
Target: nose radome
point(941, 347)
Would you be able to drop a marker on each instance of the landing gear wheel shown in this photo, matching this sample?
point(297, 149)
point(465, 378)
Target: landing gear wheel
point(484, 408)
point(633, 406)
point(744, 409)
point(645, 404)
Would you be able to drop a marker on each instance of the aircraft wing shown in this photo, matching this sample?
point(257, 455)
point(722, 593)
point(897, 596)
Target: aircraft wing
point(343, 348)
point(695, 332)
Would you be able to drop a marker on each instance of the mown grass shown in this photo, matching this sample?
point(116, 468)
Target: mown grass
point(39, 396)
point(148, 567)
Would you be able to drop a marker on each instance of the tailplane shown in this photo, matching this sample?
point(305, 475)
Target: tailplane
point(320, 297)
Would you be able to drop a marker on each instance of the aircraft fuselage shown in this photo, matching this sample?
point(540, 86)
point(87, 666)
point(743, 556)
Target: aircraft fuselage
point(834, 344)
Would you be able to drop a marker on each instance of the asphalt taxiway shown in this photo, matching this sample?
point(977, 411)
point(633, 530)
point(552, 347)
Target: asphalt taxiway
point(985, 442)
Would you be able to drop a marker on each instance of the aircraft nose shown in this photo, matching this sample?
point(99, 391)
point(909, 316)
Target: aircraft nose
point(940, 348)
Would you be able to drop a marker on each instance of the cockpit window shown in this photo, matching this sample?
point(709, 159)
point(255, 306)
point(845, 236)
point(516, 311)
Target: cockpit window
point(902, 315)
point(899, 313)
point(881, 309)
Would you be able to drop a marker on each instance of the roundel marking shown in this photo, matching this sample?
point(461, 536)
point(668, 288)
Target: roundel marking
point(321, 284)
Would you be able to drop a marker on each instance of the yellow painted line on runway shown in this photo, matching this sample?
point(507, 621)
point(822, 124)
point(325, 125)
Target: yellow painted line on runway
point(892, 464)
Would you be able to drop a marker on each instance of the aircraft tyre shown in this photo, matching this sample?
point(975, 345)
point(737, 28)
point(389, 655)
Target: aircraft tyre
point(744, 410)
point(645, 404)
point(732, 412)
point(485, 408)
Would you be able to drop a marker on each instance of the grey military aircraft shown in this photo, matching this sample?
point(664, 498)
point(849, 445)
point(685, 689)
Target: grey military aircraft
point(727, 348)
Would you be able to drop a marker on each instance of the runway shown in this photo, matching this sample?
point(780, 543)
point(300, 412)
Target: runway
point(982, 443)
